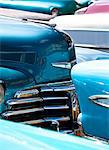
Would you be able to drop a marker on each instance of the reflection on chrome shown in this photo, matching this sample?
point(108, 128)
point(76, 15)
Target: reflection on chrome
point(2, 93)
point(102, 100)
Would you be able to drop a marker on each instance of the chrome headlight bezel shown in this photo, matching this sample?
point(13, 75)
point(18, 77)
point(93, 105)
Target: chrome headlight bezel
point(2, 92)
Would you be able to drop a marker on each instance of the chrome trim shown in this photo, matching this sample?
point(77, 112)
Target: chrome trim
point(102, 100)
point(32, 122)
point(19, 112)
point(66, 29)
point(47, 119)
point(67, 132)
point(92, 46)
point(61, 83)
point(58, 88)
point(64, 65)
point(24, 101)
point(26, 93)
point(55, 107)
point(79, 119)
point(55, 98)
point(58, 118)
point(2, 93)
point(55, 124)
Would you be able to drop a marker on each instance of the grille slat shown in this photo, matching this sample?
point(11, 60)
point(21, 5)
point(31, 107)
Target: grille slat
point(19, 104)
point(23, 115)
point(50, 108)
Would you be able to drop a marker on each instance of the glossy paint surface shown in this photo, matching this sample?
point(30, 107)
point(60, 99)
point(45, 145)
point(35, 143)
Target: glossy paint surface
point(87, 54)
point(27, 52)
point(78, 22)
point(83, 2)
point(98, 7)
point(92, 78)
point(37, 47)
point(19, 137)
point(42, 6)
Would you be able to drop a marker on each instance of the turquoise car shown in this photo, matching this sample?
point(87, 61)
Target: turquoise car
point(35, 82)
point(83, 3)
point(92, 87)
point(58, 7)
point(14, 136)
point(42, 6)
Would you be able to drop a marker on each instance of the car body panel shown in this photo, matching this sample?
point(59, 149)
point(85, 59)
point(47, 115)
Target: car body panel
point(83, 3)
point(15, 136)
point(91, 78)
point(86, 21)
point(34, 57)
point(95, 7)
point(89, 54)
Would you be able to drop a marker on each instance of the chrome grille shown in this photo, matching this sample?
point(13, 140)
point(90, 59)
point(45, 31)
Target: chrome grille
point(50, 108)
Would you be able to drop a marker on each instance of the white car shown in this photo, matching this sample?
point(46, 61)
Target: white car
point(90, 32)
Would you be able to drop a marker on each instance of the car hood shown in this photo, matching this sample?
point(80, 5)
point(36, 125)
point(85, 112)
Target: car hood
point(23, 31)
point(15, 136)
point(38, 46)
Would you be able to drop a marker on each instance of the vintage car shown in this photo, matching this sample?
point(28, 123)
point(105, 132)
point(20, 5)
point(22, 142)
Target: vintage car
point(92, 87)
point(83, 3)
point(35, 82)
point(100, 6)
point(42, 6)
point(16, 136)
point(90, 34)
point(57, 7)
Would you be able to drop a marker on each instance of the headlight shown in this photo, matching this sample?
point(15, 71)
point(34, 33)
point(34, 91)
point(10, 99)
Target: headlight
point(54, 11)
point(2, 93)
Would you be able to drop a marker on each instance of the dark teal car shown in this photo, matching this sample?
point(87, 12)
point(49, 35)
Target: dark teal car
point(57, 7)
point(14, 136)
point(35, 64)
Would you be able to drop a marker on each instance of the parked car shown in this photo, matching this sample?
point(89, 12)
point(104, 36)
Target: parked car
point(35, 82)
point(83, 3)
point(16, 136)
point(100, 6)
point(90, 34)
point(92, 86)
point(42, 6)
point(54, 7)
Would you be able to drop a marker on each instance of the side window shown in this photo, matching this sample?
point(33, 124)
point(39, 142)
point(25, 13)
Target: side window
point(10, 56)
point(18, 57)
point(30, 58)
